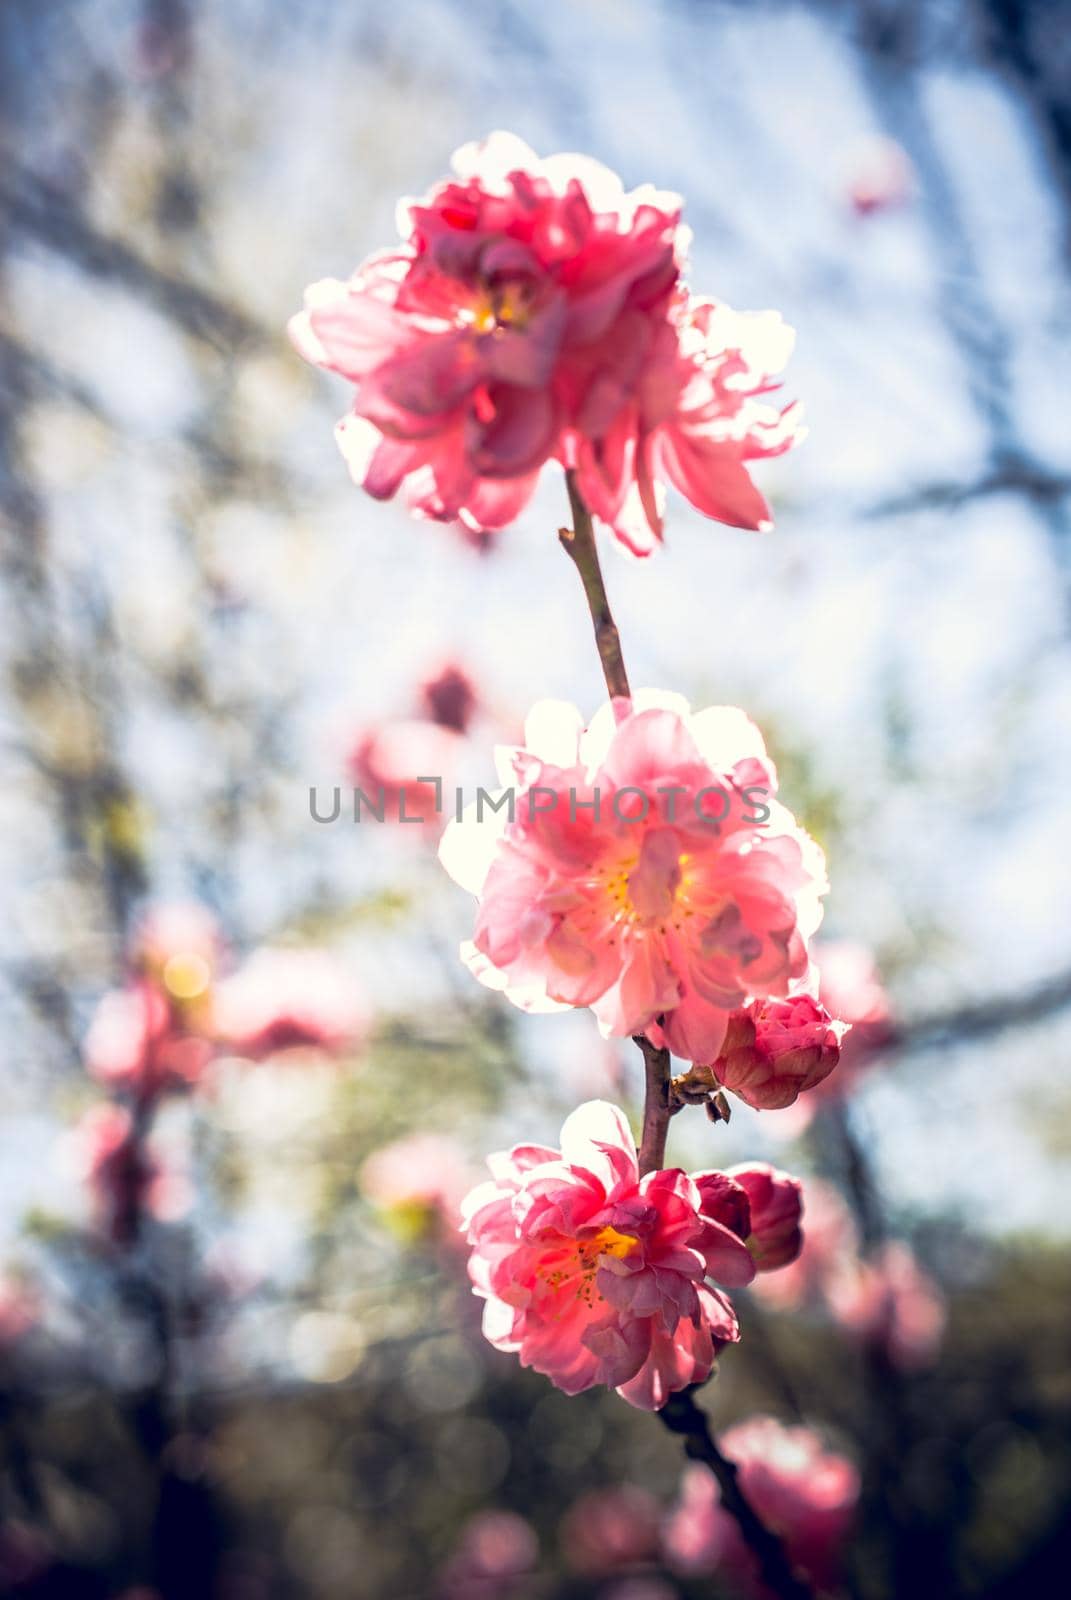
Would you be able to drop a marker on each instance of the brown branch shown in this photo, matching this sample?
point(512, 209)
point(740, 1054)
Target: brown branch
point(681, 1415)
point(579, 544)
point(656, 1106)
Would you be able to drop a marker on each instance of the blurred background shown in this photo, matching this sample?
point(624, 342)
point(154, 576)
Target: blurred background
point(244, 1077)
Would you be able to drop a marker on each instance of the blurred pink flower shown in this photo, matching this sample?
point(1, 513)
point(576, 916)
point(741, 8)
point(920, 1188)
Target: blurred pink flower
point(288, 999)
point(421, 1180)
point(882, 177)
point(153, 1034)
point(450, 697)
point(607, 1530)
point(885, 1299)
point(802, 1491)
point(890, 1302)
point(775, 1049)
point(593, 1275)
point(535, 311)
point(496, 1549)
point(851, 990)
point(640, 1586)
point(388, 760)
point(830, 1250)
point(20, 1308)
point(26, 1557)
point(616, 885)
point(775, 1202)
point(138, 1040)
point(177, 945)
point(125, 1173)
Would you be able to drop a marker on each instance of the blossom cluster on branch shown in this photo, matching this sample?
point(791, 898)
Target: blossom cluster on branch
point(535, 312)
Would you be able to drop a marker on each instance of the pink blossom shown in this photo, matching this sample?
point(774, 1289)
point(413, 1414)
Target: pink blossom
point(775, 1202)
point(27, 1559)
point(285, 1000)
point(19, 1308)
point(655, 909)
point(885, 1300)
point(178, 946)
point(496, 1548)
point(775, 1049)
point(137, 1040)
point(388, 761)
point(536, 311)
point(891, 1303)
point(799, 1488)
point(151, 1035)
point(830, 1252)
point(124, 1172)
point(883, 177)
point(419, 1181)
point(592, 1274)
point(851, 989)
point(607, 1530)
point(640, 1586)
point(450, 697)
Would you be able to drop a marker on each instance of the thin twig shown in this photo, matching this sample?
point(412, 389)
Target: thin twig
point(680, 1414)
point(579, 544)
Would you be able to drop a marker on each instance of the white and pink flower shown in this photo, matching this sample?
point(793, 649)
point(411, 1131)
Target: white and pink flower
point(594, 1275)
point(537, 311)
point(646, 871)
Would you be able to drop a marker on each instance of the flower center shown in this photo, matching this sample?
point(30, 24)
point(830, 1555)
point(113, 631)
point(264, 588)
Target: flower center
point(608, 1242)
point(576, 1269)
point(502, 305)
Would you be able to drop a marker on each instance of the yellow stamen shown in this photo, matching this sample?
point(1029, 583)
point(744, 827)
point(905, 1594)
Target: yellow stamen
point(608, 1242)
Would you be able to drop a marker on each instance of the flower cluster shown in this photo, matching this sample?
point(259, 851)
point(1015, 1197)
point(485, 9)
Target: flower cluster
point(536, 311)
point(593, 1274)
point(639, 864)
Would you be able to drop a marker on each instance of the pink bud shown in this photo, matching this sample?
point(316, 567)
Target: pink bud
point(450, 698)
point(608, 1530)
point(776, 1205)
point(775, 1049)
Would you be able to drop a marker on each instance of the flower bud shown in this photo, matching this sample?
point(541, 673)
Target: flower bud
point(776, 1205)
point(775, 1049)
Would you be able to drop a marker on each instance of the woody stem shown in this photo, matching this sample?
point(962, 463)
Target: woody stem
point(680, 1414)
point(656, 1112)
point(578, 542)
